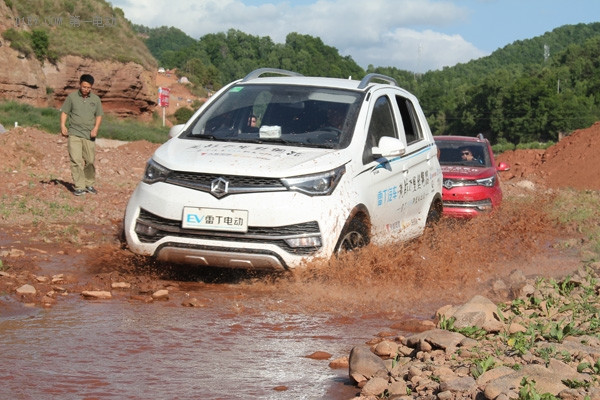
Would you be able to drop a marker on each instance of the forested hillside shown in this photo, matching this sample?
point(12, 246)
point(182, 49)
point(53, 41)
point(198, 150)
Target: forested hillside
point(530, 90)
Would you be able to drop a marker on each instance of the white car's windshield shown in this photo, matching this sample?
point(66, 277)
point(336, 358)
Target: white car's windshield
point(285, 114)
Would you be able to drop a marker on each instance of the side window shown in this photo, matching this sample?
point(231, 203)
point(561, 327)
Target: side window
point(381, 124)
point(412, 128)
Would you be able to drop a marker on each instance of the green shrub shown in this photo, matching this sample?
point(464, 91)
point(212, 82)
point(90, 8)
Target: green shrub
point(40, 43)
point(183, 114)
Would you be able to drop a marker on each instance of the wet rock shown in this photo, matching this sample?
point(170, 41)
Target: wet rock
point(142, 298)
point(364, 364)
point(26, 289)
point(47, 301)
point(374, 387)
point(96, 294)
point(6, 274)
point(438, 338)
point(161, 294)
point(386, 349)
point(339, 363)
point(465, 384)
point(193, 302)
point(13, 253)
point(398, 388)
point(413, 325)
point(478, 312)
point(500, 288)
point(319, 355)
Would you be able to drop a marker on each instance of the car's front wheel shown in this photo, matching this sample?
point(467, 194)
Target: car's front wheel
point(355, 236)
point(435, 213)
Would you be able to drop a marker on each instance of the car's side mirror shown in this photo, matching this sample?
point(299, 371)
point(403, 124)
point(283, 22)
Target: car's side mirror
point(175, 130)
point(503, 166)
point(388, 147)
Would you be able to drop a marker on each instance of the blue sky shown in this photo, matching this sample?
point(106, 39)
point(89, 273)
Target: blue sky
point(414, 35)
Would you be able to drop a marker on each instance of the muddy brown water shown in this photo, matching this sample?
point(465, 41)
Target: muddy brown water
point(252, 335)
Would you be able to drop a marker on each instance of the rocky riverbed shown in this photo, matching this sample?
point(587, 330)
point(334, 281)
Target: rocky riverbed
point(543, 342)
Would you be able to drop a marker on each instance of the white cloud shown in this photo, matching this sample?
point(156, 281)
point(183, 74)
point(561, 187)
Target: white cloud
point(378, 32)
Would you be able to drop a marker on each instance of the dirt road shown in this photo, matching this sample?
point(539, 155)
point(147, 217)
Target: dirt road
point(41, 219)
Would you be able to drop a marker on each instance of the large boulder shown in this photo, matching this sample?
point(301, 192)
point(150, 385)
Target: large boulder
point(364, 364)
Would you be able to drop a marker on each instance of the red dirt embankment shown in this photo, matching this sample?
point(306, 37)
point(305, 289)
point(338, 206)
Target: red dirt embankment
point(574, 162)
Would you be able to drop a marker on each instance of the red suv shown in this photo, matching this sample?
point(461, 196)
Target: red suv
point(471, 183)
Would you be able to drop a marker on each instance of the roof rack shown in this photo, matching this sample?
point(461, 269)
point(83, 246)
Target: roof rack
point(370, 77)
point(258, 72)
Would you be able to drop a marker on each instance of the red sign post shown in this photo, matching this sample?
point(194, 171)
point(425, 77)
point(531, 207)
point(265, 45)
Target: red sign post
point(163, 99)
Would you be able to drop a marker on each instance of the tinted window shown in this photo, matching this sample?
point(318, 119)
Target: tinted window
point(451, 153)
point(381, 124)
point(412, 129)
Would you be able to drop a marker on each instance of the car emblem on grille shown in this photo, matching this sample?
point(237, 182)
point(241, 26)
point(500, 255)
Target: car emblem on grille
point(448, 184)
point(219, 187)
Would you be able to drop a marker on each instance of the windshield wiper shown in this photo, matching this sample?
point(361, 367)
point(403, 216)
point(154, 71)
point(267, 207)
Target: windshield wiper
point(274, 140)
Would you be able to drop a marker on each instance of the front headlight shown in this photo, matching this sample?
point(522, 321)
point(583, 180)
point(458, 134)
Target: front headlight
point(155, 172)
point(321, 184)
point(487, 182)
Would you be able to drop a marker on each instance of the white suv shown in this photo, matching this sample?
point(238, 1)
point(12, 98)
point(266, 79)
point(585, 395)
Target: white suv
point(274, 170)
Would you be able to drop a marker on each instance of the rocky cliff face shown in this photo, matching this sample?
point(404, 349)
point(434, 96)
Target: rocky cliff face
point(126, 89)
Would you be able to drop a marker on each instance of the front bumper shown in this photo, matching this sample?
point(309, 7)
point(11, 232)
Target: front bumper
point(277, 223)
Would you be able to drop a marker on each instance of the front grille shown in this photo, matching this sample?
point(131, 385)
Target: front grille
point(268, 235)
point(237, 184)
point(484, 204)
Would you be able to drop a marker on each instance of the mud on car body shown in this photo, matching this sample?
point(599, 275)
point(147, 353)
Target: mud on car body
point(277, 169)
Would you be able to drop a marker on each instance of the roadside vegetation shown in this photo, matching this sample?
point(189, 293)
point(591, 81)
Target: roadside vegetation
point(48, 119)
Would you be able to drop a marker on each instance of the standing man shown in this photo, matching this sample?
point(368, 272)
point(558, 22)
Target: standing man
point(83, 109)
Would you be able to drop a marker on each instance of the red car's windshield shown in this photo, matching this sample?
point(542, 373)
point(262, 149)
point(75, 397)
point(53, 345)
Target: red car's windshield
point(467, 153)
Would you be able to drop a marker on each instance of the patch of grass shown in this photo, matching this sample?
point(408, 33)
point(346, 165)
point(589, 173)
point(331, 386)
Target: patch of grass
point(503, 145)
point(131, 130)
point(48, 119)
point(481, 366)
point(580, 210)
point(35, 208)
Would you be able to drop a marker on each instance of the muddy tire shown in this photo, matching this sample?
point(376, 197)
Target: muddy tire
point(434, 214)
point(355, 236)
